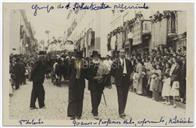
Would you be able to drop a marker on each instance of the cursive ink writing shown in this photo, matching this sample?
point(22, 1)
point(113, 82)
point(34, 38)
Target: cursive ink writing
point(31, 122)
point(108, 122)
point(177, 120)
point(81, 123)
point(147, 122)
point(125, 7)
point(64, 6)
point(130, 122)
point(35, 7)
point(85, 6)
point(92, 6)
point(127, 122)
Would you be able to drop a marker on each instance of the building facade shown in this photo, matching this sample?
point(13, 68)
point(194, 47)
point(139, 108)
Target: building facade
point(22, 39)
point(169, 28)
point(88, 30)
point(130, 31)
point(138, 32)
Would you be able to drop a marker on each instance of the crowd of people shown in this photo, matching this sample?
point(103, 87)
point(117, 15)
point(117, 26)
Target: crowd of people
point(19, 69)
point(159, 74)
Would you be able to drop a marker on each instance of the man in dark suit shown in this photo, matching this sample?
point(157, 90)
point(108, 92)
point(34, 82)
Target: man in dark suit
point(17, 73)
point(77, 73)
point(96, 82)
point(121, 70)
point(37, 76)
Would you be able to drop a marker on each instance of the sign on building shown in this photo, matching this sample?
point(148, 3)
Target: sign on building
point(137, 33)
point(159, 32)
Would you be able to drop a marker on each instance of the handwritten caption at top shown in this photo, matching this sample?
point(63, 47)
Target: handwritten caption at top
point(86, 6)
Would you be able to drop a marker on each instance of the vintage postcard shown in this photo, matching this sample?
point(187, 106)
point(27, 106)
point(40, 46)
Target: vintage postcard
point(98, 64)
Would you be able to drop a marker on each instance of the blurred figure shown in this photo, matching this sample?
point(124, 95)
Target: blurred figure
point(183, 80)
point(108, 63)
point(77, 73)
point(121, 70)
point(139, 70)
point(57, 71)
point(17, 74)
point(166, 88)
point(37, 76)
point(175, 78)
point(96, 76)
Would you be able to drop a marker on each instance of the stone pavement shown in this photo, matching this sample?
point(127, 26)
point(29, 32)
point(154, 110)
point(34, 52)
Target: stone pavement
point(56, 100)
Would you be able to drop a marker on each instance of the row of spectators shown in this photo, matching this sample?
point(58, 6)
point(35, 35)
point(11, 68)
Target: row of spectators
point(160, 74)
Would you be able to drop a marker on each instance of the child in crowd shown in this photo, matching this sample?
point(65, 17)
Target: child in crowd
point(135, 80)
point(153, 82)
point(166, 88)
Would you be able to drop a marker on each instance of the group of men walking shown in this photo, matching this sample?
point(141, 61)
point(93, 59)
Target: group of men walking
point(98, 75)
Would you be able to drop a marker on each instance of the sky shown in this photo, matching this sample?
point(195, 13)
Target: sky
point(55, 22)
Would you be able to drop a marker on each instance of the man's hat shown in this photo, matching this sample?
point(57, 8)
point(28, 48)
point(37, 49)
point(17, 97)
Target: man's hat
point(95, 53)
point(42, 53)
point(79, 54)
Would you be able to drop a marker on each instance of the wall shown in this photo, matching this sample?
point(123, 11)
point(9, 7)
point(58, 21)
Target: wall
point(14, 30)
point(98, 22)
point(181, 22)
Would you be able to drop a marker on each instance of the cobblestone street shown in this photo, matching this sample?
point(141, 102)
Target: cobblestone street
point(56, 100)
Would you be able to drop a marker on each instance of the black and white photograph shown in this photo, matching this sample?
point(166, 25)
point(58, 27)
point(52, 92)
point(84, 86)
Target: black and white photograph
point(98, 64)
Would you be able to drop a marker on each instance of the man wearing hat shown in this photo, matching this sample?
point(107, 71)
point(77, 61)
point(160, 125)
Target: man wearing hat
point(121, 70)
point(77, 71)
point(96, 81)
point(37, 76)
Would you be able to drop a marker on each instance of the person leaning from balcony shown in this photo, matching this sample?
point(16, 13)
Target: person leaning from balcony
point(96, 73)
point(77, 71)
point(37, 76)
point(121, 70)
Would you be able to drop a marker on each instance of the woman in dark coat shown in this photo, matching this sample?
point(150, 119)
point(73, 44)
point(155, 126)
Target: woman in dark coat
point(76, 87)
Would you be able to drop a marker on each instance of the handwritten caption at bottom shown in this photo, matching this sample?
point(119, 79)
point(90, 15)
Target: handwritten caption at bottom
point(31, 122)
point(175, 121)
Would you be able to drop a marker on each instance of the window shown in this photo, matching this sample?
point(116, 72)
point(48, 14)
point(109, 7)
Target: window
point(173, 22)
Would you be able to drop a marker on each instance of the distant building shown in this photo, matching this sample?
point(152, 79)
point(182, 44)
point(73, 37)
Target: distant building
point(88, 30)
point(169, 28)
point(138, 32)
point(130, 31)
point(22, 39)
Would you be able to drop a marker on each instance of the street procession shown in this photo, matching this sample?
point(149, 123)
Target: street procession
point(129, 65)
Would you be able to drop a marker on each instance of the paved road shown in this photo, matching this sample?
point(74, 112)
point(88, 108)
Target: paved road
point(57, 99)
